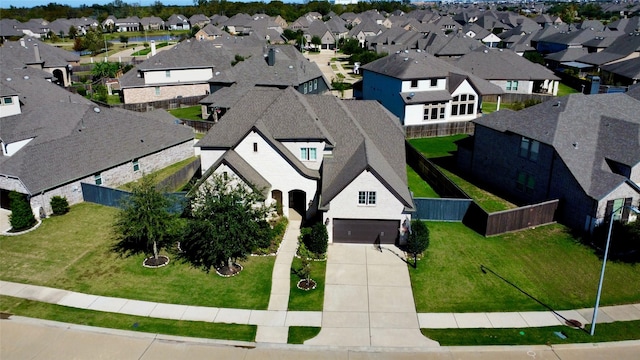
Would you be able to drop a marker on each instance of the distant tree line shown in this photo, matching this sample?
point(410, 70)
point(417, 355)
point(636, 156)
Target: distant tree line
point(121, 9)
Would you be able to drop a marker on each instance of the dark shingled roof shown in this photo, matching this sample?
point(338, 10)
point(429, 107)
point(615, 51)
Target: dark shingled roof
point(247, 173)
point(621, 48)
point(72, 137)
point(629, 68)
point(585, 130)
point(362, 134)
point(50, 56)
point(496, 64)
point(422, 97)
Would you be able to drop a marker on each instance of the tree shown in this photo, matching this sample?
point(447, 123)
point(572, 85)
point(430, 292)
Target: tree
point(105, 69)
point(124, 39)
point(194, 30)
point(317, 239)
point(418, 240)
point(94, 41)
point(78, 44)
point(59, 205)
point(21, 217)
point(316, 41)
point(225, 220)
point(144, 223)
point(73, 32)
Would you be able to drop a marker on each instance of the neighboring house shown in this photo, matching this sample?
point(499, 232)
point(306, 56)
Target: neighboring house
point(581, 149)
point(37, 54)
point(185, 70)
point(127, 24)
point(177, 22)
point(625, 47)
point(152, 23)
point(320, 29)
point(341, 162)
point(623, 73)
point(209, 32)
point(280, 67)
point(513, 73)
point(10, 28)
point(51, 140)
point(199, 20)
point(421, 89)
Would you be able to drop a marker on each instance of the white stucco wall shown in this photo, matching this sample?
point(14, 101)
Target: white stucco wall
point(424, 85)
point(345, 204)
point(524, 86)
point(14, 147)
point(209, 157)
point(274, 168)
point(464, 88)
point(10, 109)
point(295, 147)
point(177, 76)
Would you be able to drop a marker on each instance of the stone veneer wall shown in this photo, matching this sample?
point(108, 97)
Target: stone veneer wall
point(148, 94)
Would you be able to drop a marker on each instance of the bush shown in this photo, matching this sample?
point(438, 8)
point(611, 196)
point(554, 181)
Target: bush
point(317, 239)
point(21, 217)
point(59, 205)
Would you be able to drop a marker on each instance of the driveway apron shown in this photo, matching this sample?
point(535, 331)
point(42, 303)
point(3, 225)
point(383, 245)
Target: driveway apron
point(368, 300)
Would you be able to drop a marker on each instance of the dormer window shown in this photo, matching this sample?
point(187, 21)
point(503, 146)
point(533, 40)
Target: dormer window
point(7, 100)
point(434, 82)
point(414, 83)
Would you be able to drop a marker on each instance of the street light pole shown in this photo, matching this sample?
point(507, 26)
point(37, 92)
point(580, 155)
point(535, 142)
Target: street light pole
point(604, 264)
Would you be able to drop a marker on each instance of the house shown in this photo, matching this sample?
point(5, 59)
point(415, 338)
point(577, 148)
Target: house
point(209, 32)
point(184, 70)
point(131, 23)
point(199, 20)
point(52, 141)
point(280, 67)
point(177, 22)
point(341, 162)
point(319, 28)
point(422, 89)
point(581, 149)
point(624, 72)
point(625, 47)
point(37, 54)
point(152, 23)
point(513, 73)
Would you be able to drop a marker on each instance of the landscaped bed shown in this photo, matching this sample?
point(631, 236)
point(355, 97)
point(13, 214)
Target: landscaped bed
point(73, 252)
point(307, 300)
point(547, 262)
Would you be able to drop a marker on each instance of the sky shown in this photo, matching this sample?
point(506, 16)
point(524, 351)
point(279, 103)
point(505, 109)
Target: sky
point(76, 3)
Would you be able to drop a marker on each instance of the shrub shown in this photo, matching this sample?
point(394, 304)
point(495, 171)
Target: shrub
point(59, 205)
point(317, 239)
point(21, 217)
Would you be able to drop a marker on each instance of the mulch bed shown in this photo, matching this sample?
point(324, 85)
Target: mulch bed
point(303, 285)
point(226, 271)
point(152, 262)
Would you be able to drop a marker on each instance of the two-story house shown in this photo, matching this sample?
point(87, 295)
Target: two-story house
point(341, 162)
point(422, 89)
point(581, 149)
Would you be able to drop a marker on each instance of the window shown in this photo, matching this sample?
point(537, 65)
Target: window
point(136, 165)
point(7, 101)
point(308, 154)
point(434, 82)
point(529, 148)
point(463, 104)
point(512, 85)
point(434, 111)
point(315, 84)
point(157, 90)
point(366, 198)
point(305, 87)
point(525, 182)
point(97, 178)
point(255, 147)
point(225, 175)
point(414, 83)
point(167, 73)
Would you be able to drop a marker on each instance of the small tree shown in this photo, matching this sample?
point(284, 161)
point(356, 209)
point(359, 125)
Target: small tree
point(59, 205)
point(305, 271)
point(317, 239)
point(226, 220)
point(73, 32)
point(124, 40)
point(418, 240)
point(21, 217)
point(316, 41)
point(144, 223)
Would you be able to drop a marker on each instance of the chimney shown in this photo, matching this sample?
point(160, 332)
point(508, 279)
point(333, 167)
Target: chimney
point(37, 53)
point(271, 58)
point(153, 48)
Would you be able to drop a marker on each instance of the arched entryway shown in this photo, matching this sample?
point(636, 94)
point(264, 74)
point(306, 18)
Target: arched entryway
point(59, 75)
point(277, 196)
point(298, 201)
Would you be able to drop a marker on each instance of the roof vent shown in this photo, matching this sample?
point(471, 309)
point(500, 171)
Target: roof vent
point(557, 104)
point(96, 110)
point(26, 77)
point(406, 59)
point(575, 145)
point(8, 79)
point(485, 51)
point(217, 73)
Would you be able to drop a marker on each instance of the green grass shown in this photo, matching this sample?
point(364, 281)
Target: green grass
point(146, 51)
point(546, 262)
point(113, 99)
point(437, 147)
point(566, 90)
point(418, 186)
point(312, 300)
point(199, 329)
point(163, 173)
point(440, 150)
point(72, 252)
point(489, 107)
point(299, 334)
point(606, 332)
point(189, 113)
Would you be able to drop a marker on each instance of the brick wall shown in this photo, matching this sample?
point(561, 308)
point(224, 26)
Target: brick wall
point(148, 94)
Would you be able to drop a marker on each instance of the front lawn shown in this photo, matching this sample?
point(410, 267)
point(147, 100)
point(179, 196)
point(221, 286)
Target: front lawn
point(547, 262)
point(311, 300)
point(300, 334)
point(198, 329)
point(72, 252)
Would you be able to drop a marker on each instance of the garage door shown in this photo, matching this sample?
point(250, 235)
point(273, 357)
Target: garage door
point(365, 231)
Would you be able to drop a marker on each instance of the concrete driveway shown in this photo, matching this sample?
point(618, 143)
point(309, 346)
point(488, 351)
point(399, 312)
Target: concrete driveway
point(368, 300)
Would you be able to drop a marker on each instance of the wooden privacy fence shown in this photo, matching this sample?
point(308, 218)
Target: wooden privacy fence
point(512, 97)
point(181, 177)
point(444, 129)
point(440, 209)
point(490, 224)
point(199, 126)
